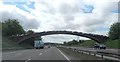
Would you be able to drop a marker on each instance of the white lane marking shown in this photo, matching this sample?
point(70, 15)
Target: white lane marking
point(37, 50)
point(8, 53)
point(27, 60)
point(12, 52)
point(19, 53)
point(40, 54)
point(64, 55)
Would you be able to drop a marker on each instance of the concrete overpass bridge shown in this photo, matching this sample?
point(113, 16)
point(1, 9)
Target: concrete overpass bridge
point(95, 37)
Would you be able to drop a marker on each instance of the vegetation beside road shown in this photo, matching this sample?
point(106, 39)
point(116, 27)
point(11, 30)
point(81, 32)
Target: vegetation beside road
point(8, 44)
point(112, 42)
point(12, 27)
point(114, 32)
point(114, 36)
point(84, 43)
point(87, 43)
point(90, 43)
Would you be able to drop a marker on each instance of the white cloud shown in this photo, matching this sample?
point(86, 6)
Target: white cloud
point(27, 20)
point(66, 15)
point(66, 18)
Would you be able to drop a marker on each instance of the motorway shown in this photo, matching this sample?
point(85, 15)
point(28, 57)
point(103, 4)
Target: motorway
point(52, 53)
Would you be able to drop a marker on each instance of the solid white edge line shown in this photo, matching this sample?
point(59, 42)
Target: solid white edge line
point(64, 55)
point(27, 60)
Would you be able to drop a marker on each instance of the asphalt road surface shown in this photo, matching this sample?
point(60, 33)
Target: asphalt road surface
point(35, 54)
point(52, 53)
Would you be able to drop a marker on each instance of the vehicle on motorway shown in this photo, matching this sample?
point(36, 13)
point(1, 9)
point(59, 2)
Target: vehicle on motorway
point(49, 46)
point(38, 43)
point(99, 46)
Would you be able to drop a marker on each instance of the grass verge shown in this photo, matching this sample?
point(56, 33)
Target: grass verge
point(8, 45)
point(113, 43)
point(110, 44)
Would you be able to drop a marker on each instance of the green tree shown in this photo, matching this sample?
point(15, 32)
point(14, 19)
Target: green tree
point(80, 41)
point(114, 32)
point(65, 43)
point(12, 27)
point(30, 32)
point(73, 42)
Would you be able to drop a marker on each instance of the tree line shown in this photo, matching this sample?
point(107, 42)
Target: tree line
point(12, 27)
point(74, 42)
point(113, 34)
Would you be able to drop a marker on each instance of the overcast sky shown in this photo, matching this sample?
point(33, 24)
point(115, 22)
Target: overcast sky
point(88, 16)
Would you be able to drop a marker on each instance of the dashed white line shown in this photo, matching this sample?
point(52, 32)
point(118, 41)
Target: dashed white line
point(9, 53)
point(19, 53)
point(64, 55)
point(40, 54)
point(37, 50)
point(12, 52)
point(27, 60)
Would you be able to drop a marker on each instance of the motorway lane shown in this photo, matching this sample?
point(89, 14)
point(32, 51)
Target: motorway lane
point(35, 54)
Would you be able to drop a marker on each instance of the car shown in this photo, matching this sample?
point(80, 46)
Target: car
point(96, 46)
point(99, 46)
point(48, 46)
point(102, 46)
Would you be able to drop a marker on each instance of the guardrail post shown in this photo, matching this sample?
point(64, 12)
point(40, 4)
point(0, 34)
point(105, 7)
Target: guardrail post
point(89, 53)
point(94, 54)
point(82, 52)
point(78, 51)
point(102, 55)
